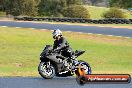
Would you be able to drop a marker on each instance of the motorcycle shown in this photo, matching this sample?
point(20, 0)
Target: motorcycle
point(52, 63)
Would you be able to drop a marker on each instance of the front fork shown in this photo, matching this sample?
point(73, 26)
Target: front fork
point(80, 71)
point(80, 75)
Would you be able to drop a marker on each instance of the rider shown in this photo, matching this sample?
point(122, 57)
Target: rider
point(61, 43)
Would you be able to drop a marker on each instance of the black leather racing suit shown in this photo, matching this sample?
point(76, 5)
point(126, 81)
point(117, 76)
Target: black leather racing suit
point(63, 45)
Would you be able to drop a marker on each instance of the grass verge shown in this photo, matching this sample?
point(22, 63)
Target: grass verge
point(97, 12)
point(20, 49)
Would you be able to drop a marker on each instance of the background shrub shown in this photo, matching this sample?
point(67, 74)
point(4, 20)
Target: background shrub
point(114, 13)
point(76, 11)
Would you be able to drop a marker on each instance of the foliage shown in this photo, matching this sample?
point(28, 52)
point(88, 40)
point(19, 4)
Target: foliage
point(121, 3)
point(21, 7)
point(76, 11)
point(2, 13)
point(114, 13)
point(48, 8)
point(95, 1)
point(55, 7)
point(29, 7)
point(51, 7)
point(73, 2)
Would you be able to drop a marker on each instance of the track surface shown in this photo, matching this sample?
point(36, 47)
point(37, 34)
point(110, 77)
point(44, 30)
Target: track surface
point(124, 32)
point(38, 82)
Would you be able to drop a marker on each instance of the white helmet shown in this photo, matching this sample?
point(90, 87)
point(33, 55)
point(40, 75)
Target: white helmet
point(56, 33)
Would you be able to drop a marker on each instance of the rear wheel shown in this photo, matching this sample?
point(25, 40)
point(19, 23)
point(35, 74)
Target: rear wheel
point(46, 72)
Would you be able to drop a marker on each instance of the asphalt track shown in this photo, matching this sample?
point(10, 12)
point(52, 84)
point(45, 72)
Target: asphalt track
point(124, 32)
point(38, 82)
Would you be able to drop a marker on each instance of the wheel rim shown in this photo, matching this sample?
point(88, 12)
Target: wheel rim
point(46, 72)
point(87, 68)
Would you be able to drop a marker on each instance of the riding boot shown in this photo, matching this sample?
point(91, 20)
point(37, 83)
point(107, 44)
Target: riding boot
point(65, 66)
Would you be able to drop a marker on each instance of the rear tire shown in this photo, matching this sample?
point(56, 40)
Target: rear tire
point(43, 71)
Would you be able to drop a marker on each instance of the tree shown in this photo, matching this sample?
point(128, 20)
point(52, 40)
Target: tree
point(21, 7)
point(93, 2)
point(121, 3)
point(51, 7)
point(73, 2)
point(2, 5)
point(76, 11)
point(29, 7)
point(12, 7)
point(55, 7)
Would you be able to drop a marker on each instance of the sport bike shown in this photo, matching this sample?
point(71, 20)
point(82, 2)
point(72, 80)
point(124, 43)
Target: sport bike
point(53, 63)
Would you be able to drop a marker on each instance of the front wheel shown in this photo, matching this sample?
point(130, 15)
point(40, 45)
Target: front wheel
point(45, 71)
point(86, 67)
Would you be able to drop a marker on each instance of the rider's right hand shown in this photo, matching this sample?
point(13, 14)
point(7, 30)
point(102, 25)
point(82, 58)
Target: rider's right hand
point(55, 50)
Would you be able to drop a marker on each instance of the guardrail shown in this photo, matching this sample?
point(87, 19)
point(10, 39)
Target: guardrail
point(79, 20)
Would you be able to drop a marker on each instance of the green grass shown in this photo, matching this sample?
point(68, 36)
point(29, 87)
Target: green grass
point(2, 13)
point(20, 49)
point(97, 12)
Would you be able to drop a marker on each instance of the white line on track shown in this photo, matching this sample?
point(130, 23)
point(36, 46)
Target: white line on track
point(3, 26)
point(110, 35)
point(101, 34)
point(89, 33)
point(43, 29)
point(32, 28)
point(80, 32)
point(17, 27)
point(119, 36)
point(68, 31)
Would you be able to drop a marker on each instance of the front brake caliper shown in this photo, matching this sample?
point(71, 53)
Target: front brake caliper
point(80, 71)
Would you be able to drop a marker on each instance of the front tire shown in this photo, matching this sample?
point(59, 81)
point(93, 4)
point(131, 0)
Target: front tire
point(47, 74)
point(87, 67)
